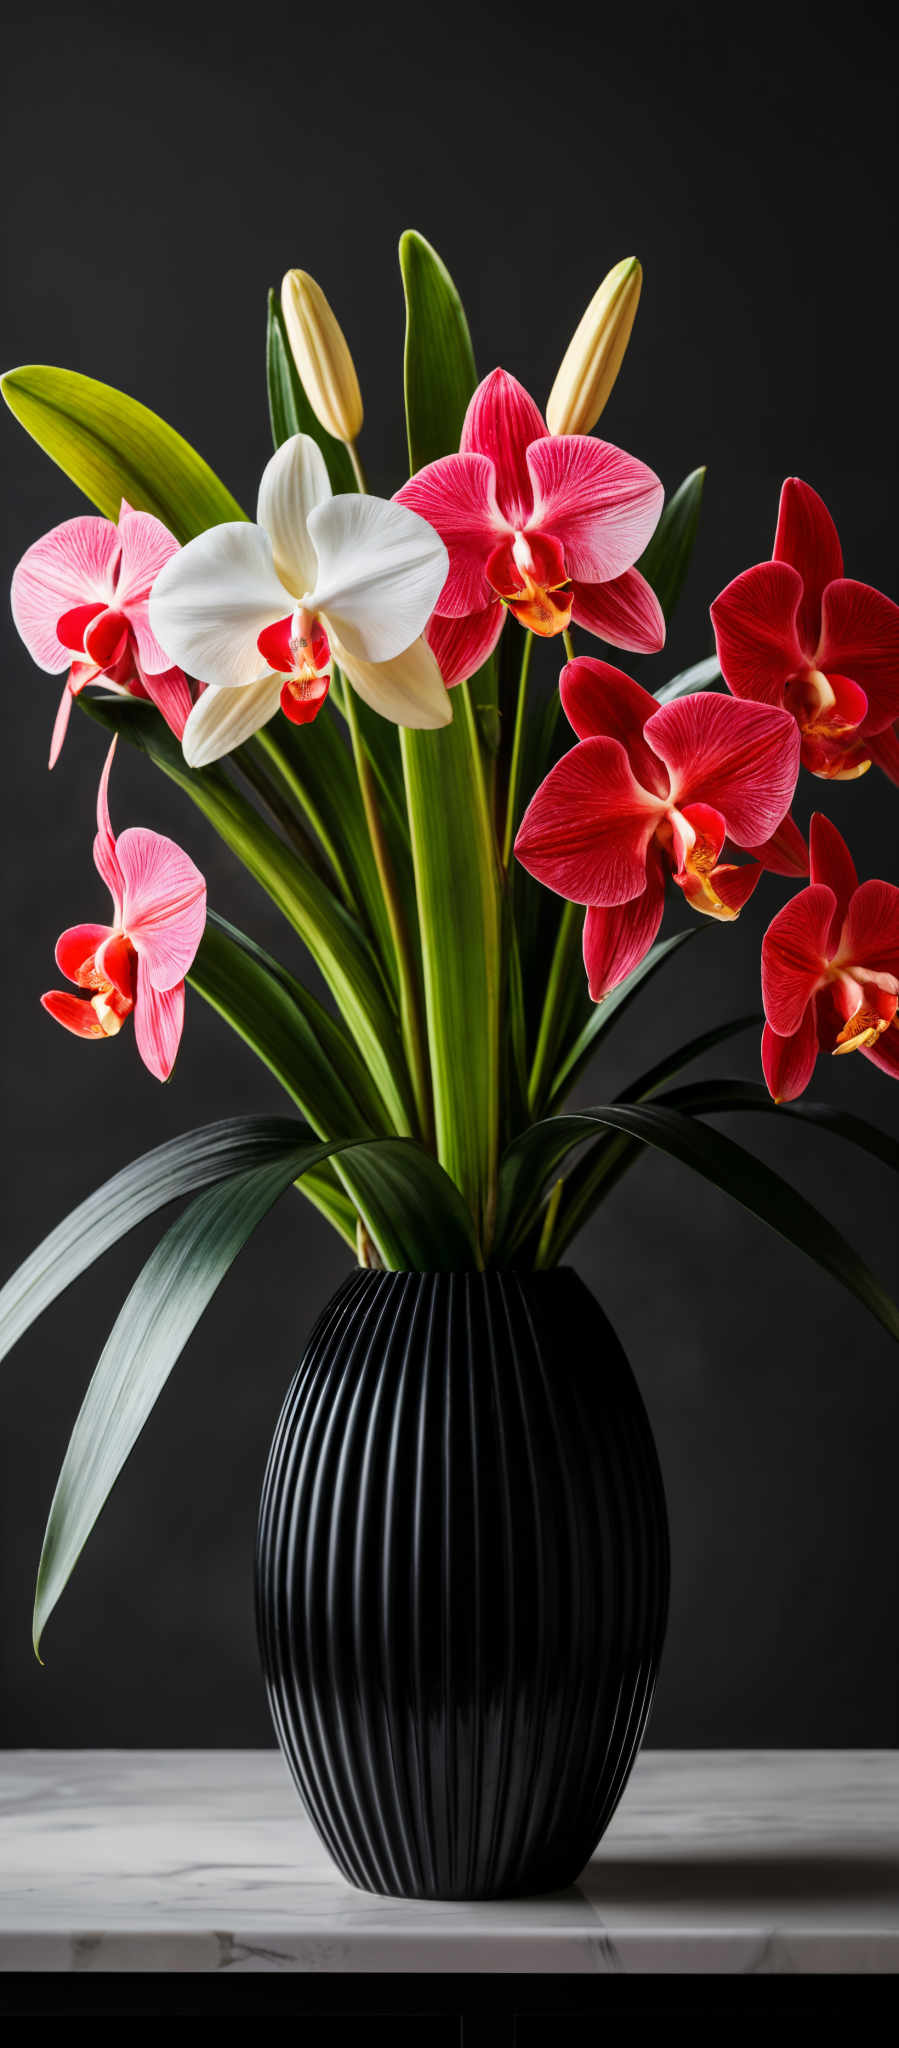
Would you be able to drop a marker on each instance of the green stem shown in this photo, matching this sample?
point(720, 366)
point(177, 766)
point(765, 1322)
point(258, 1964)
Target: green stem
point(569, 644)
point(356, 460)
point(412, 1025)
point(544, 1056)
point(254, 774)
point(549, 1219)
point(264, 743)
point(517, 745)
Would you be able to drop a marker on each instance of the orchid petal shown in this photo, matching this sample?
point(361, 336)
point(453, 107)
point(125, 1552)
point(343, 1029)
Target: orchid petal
point(831, 862)
point(164, 903)
point(293, 483)
point(742, 758)
point(171, 694)
point(795, 956)
point(756, 632)
point(624, 611)
point(105, 860)
point(211, 601)
point(222, 719)
point(860, 639)
point(158, 1023)
point(71, 565)
point(807, 539)
point(788, 1063)
point(602, 504)
point(501, 422)
point(883, 748)
point(409, 690)
point(381, 569)
point(75, 1013)
point(463, 645)
point(60, 725)
point(870, 935)
point(587, 831)
point(152, 657)
point(457, 496)
point(784, 852)
point(884, 1053)
point(601, 701)
point(146, 546)
point(617, 939)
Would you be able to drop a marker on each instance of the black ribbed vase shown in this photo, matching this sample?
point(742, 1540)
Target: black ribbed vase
point(462, 1580)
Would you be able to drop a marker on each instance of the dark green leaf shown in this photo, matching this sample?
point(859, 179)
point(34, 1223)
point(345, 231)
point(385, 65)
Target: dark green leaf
point(440, 366)
point(667, 558)
point(611, 1010)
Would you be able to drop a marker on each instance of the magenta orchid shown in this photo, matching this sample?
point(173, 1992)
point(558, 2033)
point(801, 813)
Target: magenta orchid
point(80, 600)
point(830, 970)
point(138, 963)
point(652, 790)
point(795, 631)
point(545, 526)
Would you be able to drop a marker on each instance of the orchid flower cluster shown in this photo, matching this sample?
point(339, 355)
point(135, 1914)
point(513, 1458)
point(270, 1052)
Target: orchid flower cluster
point(342, 688)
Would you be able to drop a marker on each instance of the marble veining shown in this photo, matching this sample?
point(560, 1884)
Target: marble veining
point(172, 1860)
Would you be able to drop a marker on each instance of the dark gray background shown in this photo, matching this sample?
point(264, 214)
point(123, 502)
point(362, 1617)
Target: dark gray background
point(162, 170)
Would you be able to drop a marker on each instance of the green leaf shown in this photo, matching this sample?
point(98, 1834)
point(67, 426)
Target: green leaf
point(332, 936)
point(309, 1052)
point(289, 408)
point(440, 371)
point(610, 1011)
point(704, 675)
point(114, 448)
point(456, 870)
point(713, 1098)
point(179, 1167)
point(176, 1285)
point(666, 560)
point(540, 1152)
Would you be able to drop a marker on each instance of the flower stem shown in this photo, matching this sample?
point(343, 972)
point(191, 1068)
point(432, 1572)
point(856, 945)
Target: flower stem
point(568, 644)
point(546, 1037)
point(411, 1010)
point(517, 746)
point(356, 460)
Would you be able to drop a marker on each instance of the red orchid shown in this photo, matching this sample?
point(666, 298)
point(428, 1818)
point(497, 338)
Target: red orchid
point(830, 970)
point(139, 962)
point(654, 789)
point(796, 631)
point(80, 599)
point(546, 526)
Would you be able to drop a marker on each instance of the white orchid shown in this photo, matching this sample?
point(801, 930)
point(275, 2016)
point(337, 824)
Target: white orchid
point(260, 613)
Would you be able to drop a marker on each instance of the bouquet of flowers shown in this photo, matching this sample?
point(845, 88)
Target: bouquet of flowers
point(477, 861)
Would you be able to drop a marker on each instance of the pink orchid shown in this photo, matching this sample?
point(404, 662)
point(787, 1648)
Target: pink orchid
point(830, 970)
point(546, 526)
point(796, 631)
point(139, 962)
point(80, 599)
point(652, 790)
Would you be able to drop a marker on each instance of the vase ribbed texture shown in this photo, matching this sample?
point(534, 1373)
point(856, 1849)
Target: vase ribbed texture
point(462, 1580)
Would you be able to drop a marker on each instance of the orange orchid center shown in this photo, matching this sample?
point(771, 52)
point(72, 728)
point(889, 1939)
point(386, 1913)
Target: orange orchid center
point(692, 846)
point(528, 573)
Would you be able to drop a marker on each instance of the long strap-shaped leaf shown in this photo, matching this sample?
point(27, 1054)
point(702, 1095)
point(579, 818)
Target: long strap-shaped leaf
point(453, 845)
point(610, 1011)
point(113, 448)
point(667, 558)
point(179, 1167)
point(423, 1214)
point(539, 1153)
point(331, 935)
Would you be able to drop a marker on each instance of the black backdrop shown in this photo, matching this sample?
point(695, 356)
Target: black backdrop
point(161, 170)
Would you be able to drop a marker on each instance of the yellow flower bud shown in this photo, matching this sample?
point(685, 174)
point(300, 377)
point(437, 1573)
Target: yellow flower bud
point(595, 352)
point(319, 349)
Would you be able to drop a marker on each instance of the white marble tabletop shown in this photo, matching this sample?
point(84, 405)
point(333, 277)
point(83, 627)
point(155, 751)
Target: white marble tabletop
point(173, 1860)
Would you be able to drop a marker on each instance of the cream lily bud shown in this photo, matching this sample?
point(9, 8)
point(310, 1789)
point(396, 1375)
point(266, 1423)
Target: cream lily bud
point(595, 352)
point(320, 351)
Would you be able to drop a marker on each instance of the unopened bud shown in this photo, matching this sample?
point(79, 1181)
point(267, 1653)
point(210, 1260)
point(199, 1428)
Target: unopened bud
point(319, 349)
point(595, 352)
